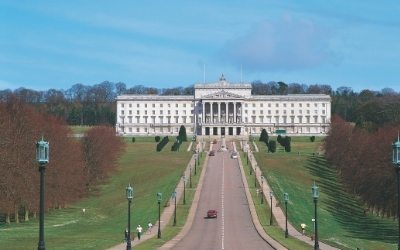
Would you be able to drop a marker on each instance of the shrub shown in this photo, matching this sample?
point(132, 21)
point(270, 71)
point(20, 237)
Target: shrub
point(133, 139)
point(272, 146)
point(312, 138)
point(157, 138)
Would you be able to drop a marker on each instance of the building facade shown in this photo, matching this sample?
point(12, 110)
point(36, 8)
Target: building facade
point(221, 107)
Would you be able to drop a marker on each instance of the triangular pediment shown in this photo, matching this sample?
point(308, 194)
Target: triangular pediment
point(222, 95)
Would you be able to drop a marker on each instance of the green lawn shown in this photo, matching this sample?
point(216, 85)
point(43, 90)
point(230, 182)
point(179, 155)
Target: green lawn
point(341, 219)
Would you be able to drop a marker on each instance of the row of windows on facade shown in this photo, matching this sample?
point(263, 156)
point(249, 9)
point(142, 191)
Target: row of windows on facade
point(254, 130)
point(245, 105)
point(246, 120)
point(261, 112)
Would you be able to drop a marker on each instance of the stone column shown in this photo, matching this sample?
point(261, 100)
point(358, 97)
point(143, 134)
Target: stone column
point(203, 105)
point(226, 111)
point(219, 112)
point(211, 113)
point(234, 112)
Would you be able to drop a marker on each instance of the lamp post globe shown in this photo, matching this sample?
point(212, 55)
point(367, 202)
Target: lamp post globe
point(315, 196)
point(262, 188)
point(174, 197)
point(271, 194)
point(42, 157)
point(159, 199)
point(396, 160)
point(286, 198)
point(129, 197)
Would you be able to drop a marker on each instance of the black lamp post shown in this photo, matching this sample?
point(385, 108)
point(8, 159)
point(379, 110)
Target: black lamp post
point(255, 175)
point(159, 198)
point(315, 196)
point(251, 158)
point(262, 187)
point(396, 160)
point(42, 157)
point(174, 197)
point(271, 194)
point(198, 160)
point(129, 197)
point(202, 145)
point(242, 145)
point(195, 171)
point(247, 157)
point(190, 176)
point(286, 197)
point(184, 190)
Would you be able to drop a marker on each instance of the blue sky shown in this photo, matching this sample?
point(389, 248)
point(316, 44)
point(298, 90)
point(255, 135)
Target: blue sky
point(164, 44)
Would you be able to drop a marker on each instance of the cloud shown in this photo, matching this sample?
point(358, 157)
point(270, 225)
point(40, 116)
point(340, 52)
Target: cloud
point(288, 44)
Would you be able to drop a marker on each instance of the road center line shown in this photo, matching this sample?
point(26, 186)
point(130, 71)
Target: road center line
point(222, 201)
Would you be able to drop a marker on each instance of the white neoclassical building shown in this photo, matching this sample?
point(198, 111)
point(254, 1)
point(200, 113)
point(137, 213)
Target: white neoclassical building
point(223, 107)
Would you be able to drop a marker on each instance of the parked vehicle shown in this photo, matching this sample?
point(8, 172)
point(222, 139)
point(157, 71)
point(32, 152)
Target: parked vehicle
point(234, 155)
point(212, 153)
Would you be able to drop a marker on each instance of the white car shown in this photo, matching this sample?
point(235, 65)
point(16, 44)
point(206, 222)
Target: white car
point(234, 155)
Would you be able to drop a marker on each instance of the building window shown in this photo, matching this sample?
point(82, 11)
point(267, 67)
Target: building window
point(254, 112)
point(315, 119)
point(292, 112)
point(316, 112)
point(138, 130)
point(246, 120)
point(137, 112)
point(323, 119)
point(169, 112)
point(300, 105)
point(292, 105)
point(192, 105)
point(245, 111)
point(122, 105)
point(300, 120)
point(276, 119)
point(276, 112)
point(284, 112)
point(145, 112)
point(254, 105)
point(261, 105)
point(176, 112)
point(184, 119)
point(269, 112)
point(261, 112)
point(176, 120)
point(184, 112)
point(245, 105)
point(184, 105)
point(253, 120)
point(299, 130)
point(154, 105)
point(277, 105)
point(161, 112)
point(145, 107)
point(307, 119)
point(308, 129)
point(192, 111)
point(122, 112)
point(169, 120)
point(176, 105)
point(300, 112)
point(308, 111)
point(268, 119)
point(169, 105)
point(284, 119)
point(137, 119)
point(161, 119)
point(130, 105)
point(308, 105)
point(130, 112)
point(284, 105)
point(315, 104)
point(153, 112)
point(145, 129)
point(323, 112)
point(161, 105)
point(130, 120)
point(191, 119)
point(145, 121)
point(261, 119)
point(130, 130)
point(292, 120)
point(269, 105)
point(323, 105)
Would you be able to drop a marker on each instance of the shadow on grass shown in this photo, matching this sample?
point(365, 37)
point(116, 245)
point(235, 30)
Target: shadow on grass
point(345, 208)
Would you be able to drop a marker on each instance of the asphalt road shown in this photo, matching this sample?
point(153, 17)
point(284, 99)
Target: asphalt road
point(223, 190)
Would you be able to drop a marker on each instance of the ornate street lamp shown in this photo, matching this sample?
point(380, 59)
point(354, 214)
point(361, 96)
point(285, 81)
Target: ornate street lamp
point(286, 197)
point(42, 157)
point(271, 194)
point(195, 171)
point(396, 160)
point(174, 197)
point(159, 198)
point(190, 176)
point(129, 197)
point(255, 175)
point(251, 158)
point(262, 188)
point(184, 190)
point(315, 196)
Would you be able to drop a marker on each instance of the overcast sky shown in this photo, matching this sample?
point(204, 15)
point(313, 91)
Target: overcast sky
point(164, 44)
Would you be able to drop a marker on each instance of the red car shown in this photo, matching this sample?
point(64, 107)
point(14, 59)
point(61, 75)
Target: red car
point(212, 153)
point(212, 213)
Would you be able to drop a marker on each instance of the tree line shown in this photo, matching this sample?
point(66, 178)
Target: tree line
point(75, 166)
point(95, 105)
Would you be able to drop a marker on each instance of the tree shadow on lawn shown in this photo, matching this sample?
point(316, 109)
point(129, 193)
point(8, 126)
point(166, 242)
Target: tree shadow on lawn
point(346, 210)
